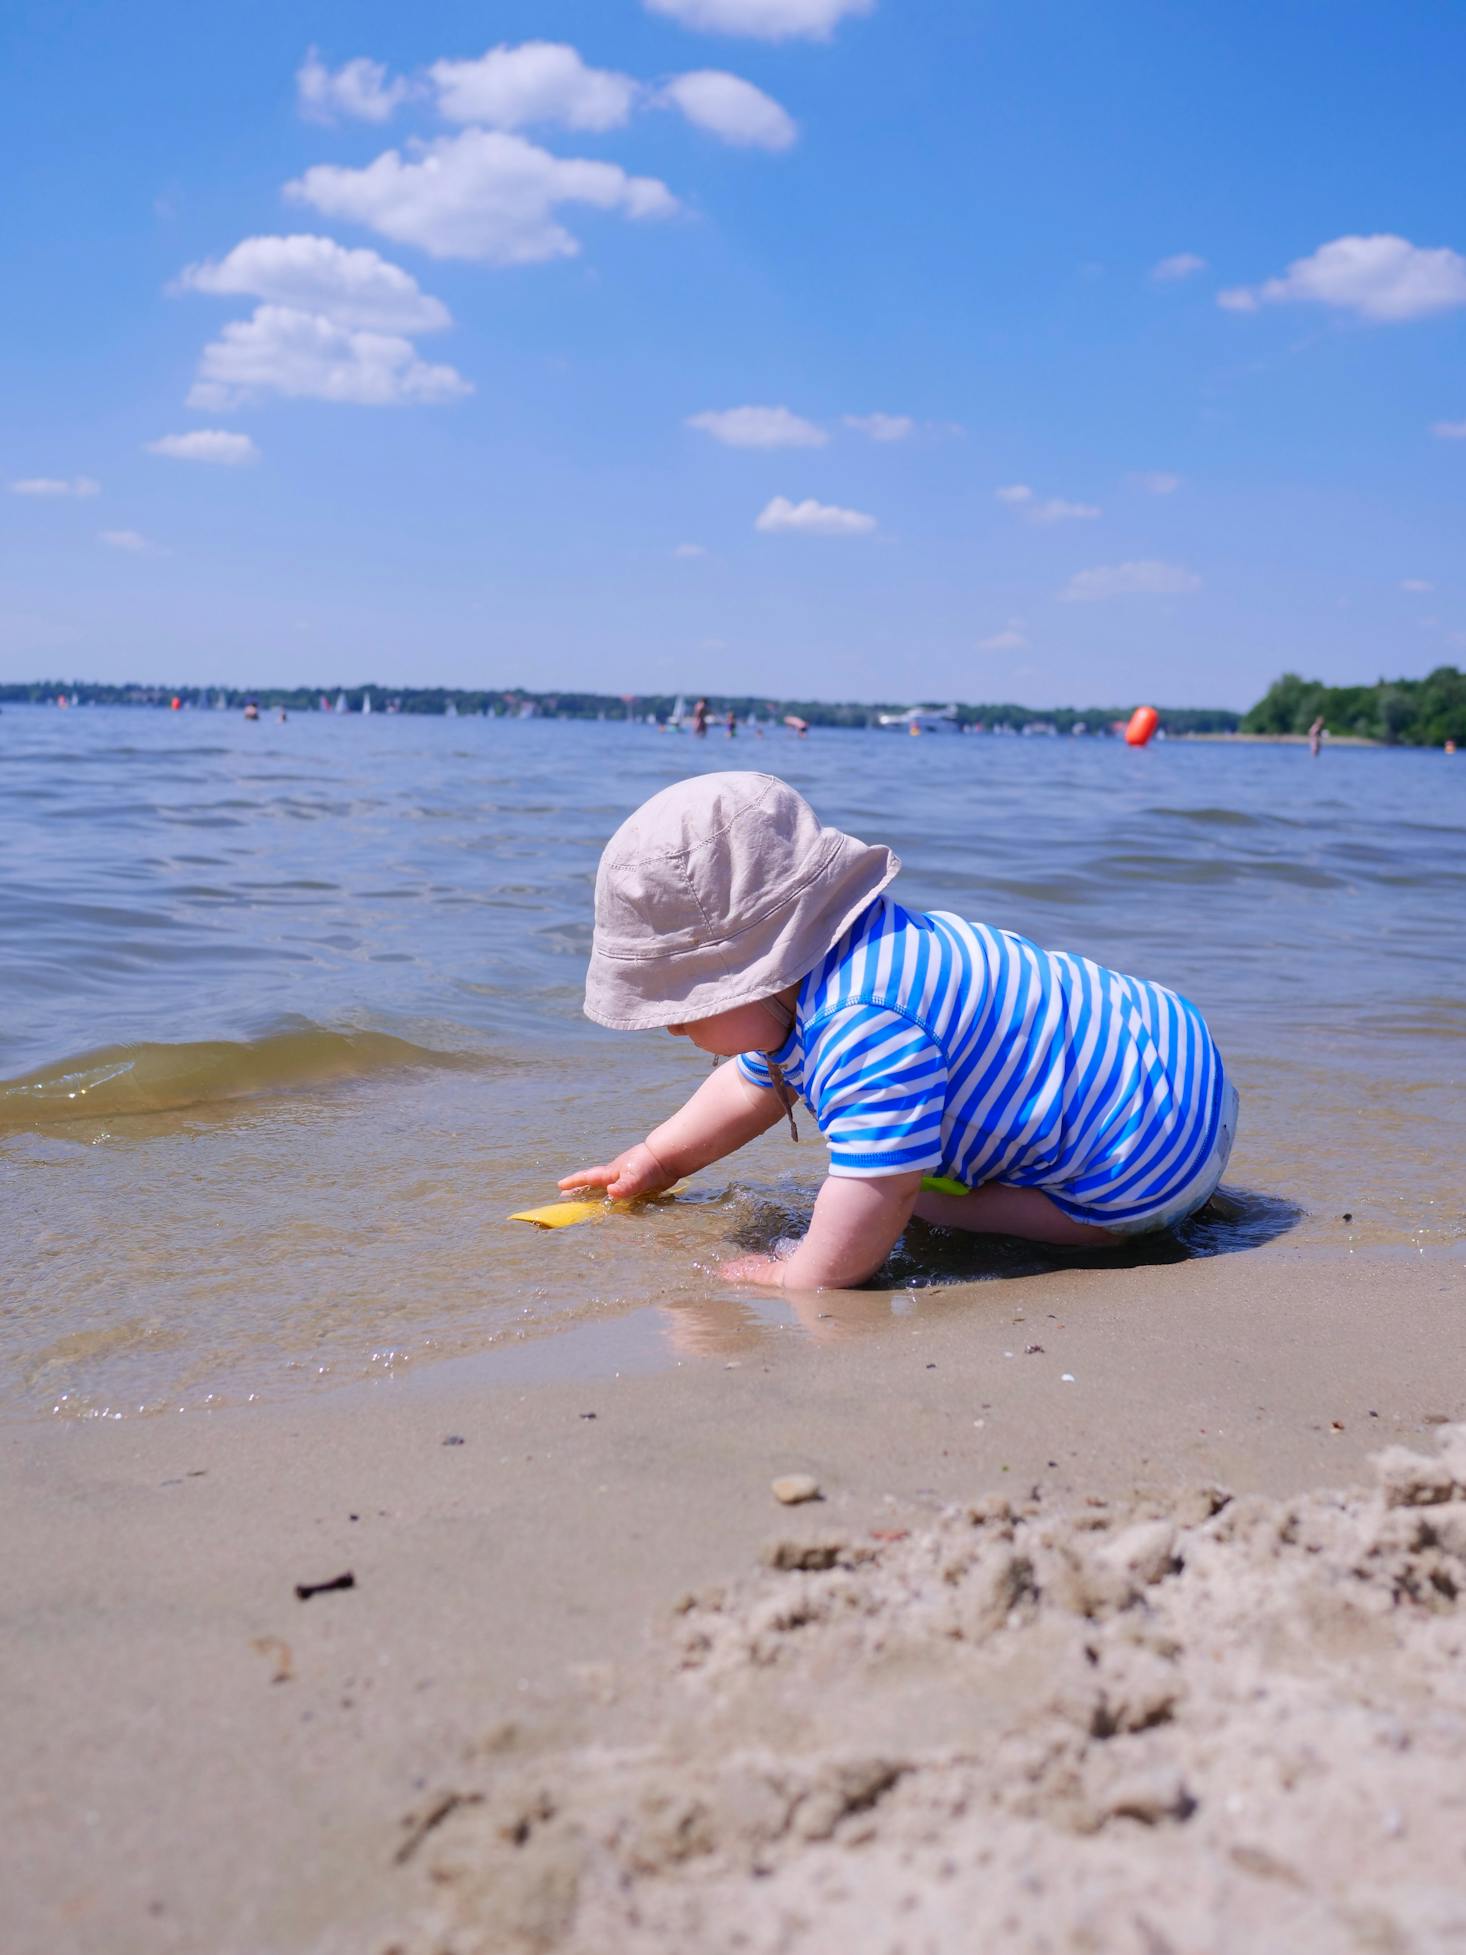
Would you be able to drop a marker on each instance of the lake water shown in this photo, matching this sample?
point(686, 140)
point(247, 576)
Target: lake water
point(293, 1023)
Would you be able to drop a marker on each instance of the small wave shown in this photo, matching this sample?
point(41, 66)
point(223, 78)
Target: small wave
point(117, 1080)
point(1212, 817)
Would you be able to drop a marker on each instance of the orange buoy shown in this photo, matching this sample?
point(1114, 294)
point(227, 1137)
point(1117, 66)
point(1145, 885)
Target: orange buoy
point(1141, 725)
point(175, 704)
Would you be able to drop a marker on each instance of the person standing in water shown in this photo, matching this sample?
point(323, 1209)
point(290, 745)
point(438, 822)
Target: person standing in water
point(700, 719)
point(732, 724)
point(1315, 737)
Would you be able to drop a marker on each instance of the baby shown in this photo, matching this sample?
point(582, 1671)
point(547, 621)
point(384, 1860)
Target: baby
point(957, 1072)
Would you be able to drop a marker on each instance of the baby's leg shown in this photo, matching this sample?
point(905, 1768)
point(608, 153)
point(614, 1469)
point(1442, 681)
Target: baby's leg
point(997, 1209)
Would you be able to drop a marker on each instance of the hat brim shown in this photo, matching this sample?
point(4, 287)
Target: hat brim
point(647, 991)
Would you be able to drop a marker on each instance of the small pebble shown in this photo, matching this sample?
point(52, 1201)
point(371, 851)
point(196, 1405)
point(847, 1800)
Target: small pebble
point(791, 1488)
point(1066, 1377)
point(454, 1439)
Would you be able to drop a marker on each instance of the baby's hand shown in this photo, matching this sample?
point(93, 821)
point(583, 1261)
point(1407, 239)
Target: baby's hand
point(754, 1269)
point(635, 1172)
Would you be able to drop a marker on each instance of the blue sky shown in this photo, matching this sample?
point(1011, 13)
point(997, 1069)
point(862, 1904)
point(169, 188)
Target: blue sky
point(1163, 307)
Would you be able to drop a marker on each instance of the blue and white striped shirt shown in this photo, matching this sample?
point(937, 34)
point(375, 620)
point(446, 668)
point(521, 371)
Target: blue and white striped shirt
point(926, 1043)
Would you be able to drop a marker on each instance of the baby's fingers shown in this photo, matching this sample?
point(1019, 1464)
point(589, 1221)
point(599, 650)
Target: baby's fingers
point(601, 1177)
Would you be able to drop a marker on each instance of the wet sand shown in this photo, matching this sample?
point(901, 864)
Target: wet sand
point(593, 1687)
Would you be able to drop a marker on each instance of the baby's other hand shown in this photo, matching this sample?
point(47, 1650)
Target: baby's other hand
point(754, 1269)
point(635, 1172)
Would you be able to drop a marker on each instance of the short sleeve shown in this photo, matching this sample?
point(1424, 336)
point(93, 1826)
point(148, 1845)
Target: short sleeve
point(878, 1086)
point(751, 1066)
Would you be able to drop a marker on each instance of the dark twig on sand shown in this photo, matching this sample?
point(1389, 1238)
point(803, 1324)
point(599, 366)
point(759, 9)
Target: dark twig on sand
point(437, 1812)
point(305, 1590)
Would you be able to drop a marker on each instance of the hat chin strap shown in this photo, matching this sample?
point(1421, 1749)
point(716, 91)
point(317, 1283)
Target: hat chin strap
point(783, 1017)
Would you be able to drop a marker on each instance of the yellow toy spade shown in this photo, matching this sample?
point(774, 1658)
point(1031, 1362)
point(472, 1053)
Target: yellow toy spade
point(565, 1214)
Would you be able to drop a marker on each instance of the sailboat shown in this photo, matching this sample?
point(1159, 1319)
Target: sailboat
point(341, 705)
point(366, 702)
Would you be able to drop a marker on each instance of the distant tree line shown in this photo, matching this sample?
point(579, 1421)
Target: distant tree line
point(1400, 712)
point(598, 705)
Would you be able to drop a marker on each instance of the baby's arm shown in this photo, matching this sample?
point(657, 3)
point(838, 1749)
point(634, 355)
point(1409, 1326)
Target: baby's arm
point(724, 1112)
point(853, 1229)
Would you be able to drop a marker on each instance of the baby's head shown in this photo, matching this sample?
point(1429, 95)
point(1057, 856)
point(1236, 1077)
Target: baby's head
point(716, 897)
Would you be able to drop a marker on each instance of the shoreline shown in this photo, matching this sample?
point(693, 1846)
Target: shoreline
point(1293, 740)
point(518, 1549)
point(655, 1339)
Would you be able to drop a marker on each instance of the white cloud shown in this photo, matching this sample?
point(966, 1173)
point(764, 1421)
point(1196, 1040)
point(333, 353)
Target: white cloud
point(206, 445)
point(1156, 482)
point(1012, 638)
point(1449, 430)
point(483, 194)
point(1380, 277)
point(690, 550)
point(1018, 495)
point(303, 356)
point(882, 427)
point(811, 518)
point(1184, 264)
point(731, 108)
point(1057, 510)
point(1417, 585)
point(758, 427)
point(311, 274)
point(124, 539)
point(538, 81)
point(764, 20)
point(1147, 578)
point(53, 485)
point(358, 88)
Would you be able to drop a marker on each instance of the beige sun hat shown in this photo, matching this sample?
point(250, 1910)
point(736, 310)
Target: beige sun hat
point(720, 890)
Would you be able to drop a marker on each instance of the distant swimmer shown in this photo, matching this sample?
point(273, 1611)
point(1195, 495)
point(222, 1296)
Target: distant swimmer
point(282, 716)
point(731, 724)
point(797, 725)
point(251, 710)
point(1315, 737)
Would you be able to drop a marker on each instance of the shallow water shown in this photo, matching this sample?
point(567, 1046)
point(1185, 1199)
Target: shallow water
point(293, 1022)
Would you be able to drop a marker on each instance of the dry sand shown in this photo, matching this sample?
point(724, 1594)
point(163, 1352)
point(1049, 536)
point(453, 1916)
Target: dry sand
point(1187, 1723)
point(1057, 1663)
